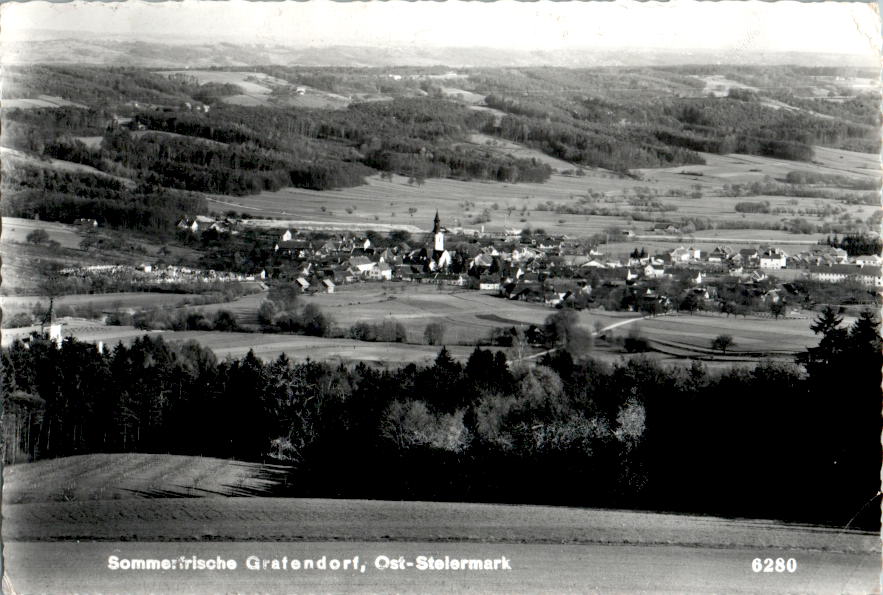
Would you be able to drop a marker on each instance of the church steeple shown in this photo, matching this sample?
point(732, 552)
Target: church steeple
point(438, 235)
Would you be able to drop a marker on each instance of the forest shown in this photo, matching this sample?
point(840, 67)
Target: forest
point(143, 127)
point(569, 430)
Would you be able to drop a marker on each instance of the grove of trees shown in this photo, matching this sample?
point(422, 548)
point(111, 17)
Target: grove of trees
point(575, 431)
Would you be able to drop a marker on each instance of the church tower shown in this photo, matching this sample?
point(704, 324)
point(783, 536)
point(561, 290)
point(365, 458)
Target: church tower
point(438, 235)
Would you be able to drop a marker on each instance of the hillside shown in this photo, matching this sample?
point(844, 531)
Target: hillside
point(135, 475)
point(584, 136)
point(175, 498)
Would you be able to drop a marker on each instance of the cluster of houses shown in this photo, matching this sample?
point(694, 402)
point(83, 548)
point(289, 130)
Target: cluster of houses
point(535, 268)
point(159, 275)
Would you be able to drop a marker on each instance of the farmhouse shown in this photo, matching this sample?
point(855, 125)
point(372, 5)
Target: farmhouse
point(773, 258)
point(866, 275)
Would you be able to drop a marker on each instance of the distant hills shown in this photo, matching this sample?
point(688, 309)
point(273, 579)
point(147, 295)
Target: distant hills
point(174, 53)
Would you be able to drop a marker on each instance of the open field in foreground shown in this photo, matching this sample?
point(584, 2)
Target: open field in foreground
point(135, 496)
point(64, 546)
point(136, 475)
point(314, 519)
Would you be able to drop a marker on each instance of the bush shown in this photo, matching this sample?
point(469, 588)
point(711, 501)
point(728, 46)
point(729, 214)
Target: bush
point(635, 343)
point(434, 334)
point(37, 237)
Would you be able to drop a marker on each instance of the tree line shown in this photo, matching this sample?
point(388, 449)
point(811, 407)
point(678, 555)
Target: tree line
point(748, 442)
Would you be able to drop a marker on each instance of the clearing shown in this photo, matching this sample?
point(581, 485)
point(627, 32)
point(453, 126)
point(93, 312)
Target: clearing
point(261, 89)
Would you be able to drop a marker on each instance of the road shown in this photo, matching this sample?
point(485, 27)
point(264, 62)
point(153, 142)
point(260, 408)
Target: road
point(83, 567)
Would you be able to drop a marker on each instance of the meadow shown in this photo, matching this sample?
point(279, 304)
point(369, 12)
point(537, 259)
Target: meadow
point(400, 203)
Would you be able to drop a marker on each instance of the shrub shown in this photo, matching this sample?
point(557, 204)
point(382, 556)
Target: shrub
point(434, 334)
point(37, 237)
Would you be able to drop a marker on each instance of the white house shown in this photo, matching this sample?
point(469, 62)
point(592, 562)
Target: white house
point(654, 271)
point(873, 260)
point(361, 264)
point(836, 273)
point(773, 258)
point(286, 237)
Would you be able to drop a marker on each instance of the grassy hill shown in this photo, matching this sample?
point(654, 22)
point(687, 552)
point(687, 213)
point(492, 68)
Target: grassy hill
point(177, 498)
point(135, 475)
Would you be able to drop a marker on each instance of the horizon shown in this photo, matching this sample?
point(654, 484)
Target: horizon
point(744, 31)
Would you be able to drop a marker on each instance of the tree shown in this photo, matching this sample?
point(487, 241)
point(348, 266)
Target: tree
point(38, 237)
point(434, 333)
point(777, 309)
point(51, 284)
point(562, 330)
point(284, 296)
point(225, 321)
point(722, 343)
point(266, 312)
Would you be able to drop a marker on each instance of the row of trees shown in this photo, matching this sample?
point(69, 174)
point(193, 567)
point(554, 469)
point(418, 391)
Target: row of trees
point(634, 433)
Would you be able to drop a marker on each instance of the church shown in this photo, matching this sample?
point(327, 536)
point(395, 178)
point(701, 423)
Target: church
point(440, 258)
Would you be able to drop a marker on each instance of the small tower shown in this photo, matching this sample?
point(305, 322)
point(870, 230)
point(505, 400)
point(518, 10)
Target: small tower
point(438, 234)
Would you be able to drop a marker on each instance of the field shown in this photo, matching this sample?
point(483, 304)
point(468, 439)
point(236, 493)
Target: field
point(385, 204)
point(126, 476)
point(134, 495)
point(259, 88)
point(266, 346)
point(753, 336)
point(41, 101)
point(468, 318)
point(102, 301)
point(58, 536)
point(16, 230)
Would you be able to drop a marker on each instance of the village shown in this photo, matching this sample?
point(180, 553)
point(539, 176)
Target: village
point(529, 266)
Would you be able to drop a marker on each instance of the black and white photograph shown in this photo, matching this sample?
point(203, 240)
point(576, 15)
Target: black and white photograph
point(441, 297)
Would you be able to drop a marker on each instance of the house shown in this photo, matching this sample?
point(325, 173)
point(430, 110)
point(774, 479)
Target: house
point(381, 271)
point(680, 255)
point(773, 258)
point(840, 255)
point(719, 255)
point(654, 271)
point(329, 286)
point(361, 264)
point(866, 275)
point(748, 256)
point(873, 260)
point(190, 225)
point(86, 222)
point(303, 283)
point(286, 237)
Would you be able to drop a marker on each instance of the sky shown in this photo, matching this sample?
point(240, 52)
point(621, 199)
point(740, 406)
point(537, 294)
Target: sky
point(826, 26)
